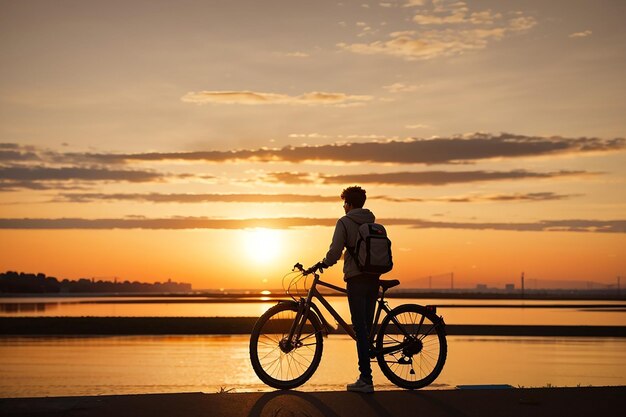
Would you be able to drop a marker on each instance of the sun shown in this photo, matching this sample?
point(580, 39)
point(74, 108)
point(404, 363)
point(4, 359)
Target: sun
point(262, 245)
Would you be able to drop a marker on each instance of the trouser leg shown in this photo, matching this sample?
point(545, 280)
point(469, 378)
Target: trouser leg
point(362, 292)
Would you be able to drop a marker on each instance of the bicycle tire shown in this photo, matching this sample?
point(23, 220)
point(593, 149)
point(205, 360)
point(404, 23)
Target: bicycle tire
point(397, 355)
point(273, 365)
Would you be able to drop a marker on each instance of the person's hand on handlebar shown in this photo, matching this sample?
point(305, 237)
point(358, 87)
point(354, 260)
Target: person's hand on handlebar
point(320, 266)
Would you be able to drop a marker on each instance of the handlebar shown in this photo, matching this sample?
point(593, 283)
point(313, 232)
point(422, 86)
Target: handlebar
point(317, 267)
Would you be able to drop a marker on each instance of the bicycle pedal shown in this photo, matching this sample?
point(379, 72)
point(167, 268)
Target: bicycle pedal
point(412, 371)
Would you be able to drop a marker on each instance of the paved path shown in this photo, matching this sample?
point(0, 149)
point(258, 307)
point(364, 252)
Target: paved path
point(552, 402)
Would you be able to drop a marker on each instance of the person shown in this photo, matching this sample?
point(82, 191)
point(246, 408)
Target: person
point(362, 288)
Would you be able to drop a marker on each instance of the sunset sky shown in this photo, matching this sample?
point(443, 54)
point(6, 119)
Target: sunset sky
point(208, 141)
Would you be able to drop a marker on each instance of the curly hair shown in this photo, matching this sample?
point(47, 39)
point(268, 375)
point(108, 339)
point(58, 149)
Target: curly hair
point(355, 196)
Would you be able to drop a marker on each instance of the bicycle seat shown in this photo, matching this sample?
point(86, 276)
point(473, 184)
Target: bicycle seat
point(385, 284)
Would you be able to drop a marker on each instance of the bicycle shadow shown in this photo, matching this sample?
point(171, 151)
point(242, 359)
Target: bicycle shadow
point(295, 403)
point(289, 404)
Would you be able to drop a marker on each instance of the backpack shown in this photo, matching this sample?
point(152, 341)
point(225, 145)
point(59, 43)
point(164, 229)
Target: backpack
point(372, 250)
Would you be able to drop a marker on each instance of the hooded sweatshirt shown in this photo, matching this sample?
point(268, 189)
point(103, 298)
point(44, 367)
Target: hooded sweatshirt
point(346, 233)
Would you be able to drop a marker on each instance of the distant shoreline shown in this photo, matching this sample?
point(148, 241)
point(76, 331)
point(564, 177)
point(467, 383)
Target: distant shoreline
point(565, 295)
point(20, 326)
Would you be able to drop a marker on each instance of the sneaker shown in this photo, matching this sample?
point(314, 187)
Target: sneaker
point(360, 386)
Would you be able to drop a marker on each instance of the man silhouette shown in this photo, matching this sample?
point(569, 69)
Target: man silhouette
point(362, 288)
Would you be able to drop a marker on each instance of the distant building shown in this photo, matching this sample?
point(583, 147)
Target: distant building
point(481, 286)
point(509, 287)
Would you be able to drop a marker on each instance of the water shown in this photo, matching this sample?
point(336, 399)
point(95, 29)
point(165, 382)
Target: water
point(511, 312)
point(68, 366)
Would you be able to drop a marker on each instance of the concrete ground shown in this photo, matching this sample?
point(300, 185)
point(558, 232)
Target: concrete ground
point(512, 402)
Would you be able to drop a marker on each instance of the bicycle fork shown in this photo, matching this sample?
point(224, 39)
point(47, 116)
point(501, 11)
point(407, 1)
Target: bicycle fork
point(292, 341)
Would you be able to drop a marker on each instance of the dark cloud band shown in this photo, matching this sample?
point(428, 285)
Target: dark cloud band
point(41, 173)
point(197, 198)
point(292, 198)
point(434, 178)
point(179, 223)
point(413, 151)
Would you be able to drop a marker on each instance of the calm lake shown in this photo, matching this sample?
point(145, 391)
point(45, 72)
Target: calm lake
point(68, 366)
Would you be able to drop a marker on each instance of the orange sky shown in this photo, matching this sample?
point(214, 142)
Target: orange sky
point(208, 142)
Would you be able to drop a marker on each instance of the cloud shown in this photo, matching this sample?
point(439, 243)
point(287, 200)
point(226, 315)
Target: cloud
point(439, 178)
point(41, 173)
point(258, 98)
point(432, 178)
point(414, 3)
point(290, 178)
point(290, 198)
point(412, 151)
point(6, 186)
point(178, 223)
point(41, 177)
point(196, 198)
point(13, 152)
point(418, 126)
point(400, 88)
point(441, 150)
point(297, 54)
point(582, 34)
point(544, 196)
point(515, 197)
point(445, 29)
point(309, 135)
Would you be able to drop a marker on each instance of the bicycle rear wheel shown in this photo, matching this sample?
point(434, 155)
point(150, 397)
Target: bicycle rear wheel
point(411, 346)
point(274, 360)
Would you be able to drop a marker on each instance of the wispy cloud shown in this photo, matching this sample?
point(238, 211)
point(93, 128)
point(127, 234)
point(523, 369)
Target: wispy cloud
point(414, 3)
point(260, 98)
point(177, 223)
point(411, 151)
point(582, 34)
point(400, 88)
point(432, 178)
point(445, 28)
point(297, 54)
point(418, 126)
point(477, 198)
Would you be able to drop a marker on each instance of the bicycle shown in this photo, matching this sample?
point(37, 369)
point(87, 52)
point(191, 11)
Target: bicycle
point(286, 343)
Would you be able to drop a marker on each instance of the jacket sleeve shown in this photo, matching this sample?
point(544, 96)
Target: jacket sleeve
point(337, 245)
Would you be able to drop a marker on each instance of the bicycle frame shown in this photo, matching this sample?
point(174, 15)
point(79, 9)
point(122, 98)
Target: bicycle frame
point(305, 305)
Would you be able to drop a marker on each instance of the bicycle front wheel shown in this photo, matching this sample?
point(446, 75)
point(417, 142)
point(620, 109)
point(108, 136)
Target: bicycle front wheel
point(276, 361)
point(411, 346)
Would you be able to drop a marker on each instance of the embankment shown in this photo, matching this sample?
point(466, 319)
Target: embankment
point(244, 325)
